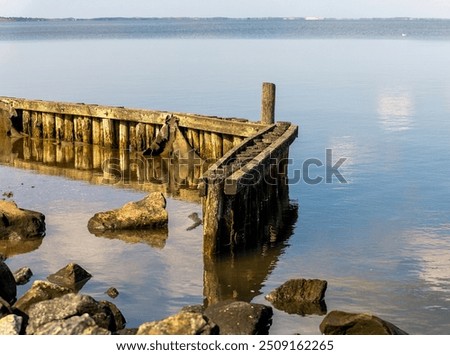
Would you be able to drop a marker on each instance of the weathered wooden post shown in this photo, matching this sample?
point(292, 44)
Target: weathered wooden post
point(26, 122)
point(36, 124)
point(212, 213)
point(59, 127)
point(123, 134)
point(108, 132)
point(268, 103)
point(140, 137)
point(97, 131)
point(86, 126)
point(48, 125)
point(68, 128)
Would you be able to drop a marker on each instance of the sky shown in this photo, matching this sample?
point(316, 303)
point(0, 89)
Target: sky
point(225, 8)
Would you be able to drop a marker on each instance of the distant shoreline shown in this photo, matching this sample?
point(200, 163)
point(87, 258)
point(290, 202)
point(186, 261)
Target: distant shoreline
point(308, 18)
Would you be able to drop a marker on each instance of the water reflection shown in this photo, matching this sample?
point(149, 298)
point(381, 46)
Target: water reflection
point(236, 277)
point(434, 255)
point(174, 254)
point(154, 238)
point(174, 177)
point(9, 248)
point(395, 109)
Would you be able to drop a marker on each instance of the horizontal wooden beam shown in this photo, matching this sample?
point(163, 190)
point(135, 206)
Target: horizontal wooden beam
point(232, 126)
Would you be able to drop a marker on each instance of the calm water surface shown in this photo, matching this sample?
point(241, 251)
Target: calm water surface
point(381, 240)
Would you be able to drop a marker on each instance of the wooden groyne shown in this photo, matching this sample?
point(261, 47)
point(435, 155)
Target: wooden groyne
point(239, 166)
point(125, 128)
point(246, 194)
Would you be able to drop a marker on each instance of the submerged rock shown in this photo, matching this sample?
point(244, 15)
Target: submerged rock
point(112, 292)
point(19, 224)
point(183, 323)
point(342, 323)
point(197, 221)
point(240, 318)
point(300, 296)
point(149, 212)
point(72, 276)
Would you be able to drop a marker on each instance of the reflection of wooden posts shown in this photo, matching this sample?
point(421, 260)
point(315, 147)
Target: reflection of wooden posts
point(48, 152)
point(97, 157)
point(268, 103)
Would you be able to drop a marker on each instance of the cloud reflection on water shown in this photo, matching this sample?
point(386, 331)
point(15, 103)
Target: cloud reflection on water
point(395, 110)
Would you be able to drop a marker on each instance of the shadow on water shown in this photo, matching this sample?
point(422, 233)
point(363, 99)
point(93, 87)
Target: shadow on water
point(240, 275)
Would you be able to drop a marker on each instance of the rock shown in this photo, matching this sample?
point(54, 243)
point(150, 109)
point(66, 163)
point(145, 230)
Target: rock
point(112, 292)
point(149, 212)
point(183, 323)
point(342, 323)
point(11, 325)
point(300, 296)
point(119, 319)
point(61, 308)
point(40, 291)
point(72, 276)
point(196, 308)
point(20, 224)
point(127, 331)
point(8, 287)
point(76, 325)
point(23, 275)
point(240, 318)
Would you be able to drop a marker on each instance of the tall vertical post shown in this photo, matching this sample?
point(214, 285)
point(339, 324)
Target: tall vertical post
point(268, 103)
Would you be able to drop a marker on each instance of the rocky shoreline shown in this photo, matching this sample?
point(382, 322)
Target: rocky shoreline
point(57, 306)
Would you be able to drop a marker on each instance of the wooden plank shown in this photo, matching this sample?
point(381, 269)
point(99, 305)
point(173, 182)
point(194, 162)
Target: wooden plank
point(233, 182)
point(232, 126)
